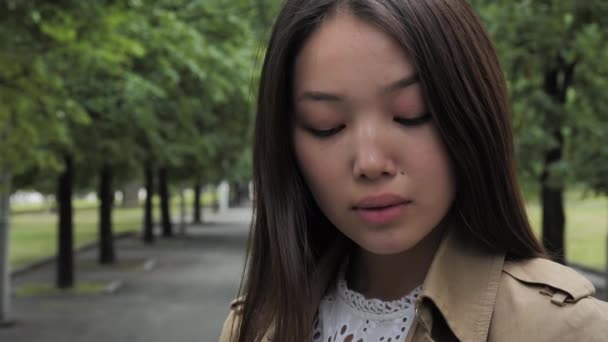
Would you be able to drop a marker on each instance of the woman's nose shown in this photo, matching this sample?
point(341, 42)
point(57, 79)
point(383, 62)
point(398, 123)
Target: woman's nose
point(372, 160)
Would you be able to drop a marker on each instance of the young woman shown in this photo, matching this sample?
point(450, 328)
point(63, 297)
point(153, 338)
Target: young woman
point(387, 206)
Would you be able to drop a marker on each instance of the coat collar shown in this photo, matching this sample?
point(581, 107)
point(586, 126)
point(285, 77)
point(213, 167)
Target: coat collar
point(462, 283)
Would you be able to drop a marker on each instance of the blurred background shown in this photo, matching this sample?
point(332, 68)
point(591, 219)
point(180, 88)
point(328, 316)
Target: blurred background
point(125, 155)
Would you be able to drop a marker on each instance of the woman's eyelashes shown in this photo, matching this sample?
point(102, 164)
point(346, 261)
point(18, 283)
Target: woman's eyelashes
point(409, 122)
point(324, 133)
point(419, 120)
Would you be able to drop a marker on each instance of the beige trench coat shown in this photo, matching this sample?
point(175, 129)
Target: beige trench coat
point(472, 295)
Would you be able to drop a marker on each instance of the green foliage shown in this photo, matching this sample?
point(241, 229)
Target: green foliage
point(172, 83)
point(534, 39)
point(124, 83)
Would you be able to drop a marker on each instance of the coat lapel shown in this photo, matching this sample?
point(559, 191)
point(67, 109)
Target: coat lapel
point(462, 283)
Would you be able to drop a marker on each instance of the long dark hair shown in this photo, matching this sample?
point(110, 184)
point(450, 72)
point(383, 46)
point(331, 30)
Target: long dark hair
point(466, 93)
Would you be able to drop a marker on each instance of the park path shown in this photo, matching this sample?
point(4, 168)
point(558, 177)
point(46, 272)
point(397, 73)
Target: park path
point(176, 290)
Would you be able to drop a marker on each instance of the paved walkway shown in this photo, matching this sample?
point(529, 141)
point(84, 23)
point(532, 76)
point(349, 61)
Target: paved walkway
point(177, 290)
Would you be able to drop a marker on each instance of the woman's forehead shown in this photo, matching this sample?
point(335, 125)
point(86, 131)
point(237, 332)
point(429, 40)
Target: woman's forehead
point(346, 54)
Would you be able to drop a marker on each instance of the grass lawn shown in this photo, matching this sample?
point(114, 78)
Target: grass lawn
point(586, 228)
point(32, 208)
point(34, 234)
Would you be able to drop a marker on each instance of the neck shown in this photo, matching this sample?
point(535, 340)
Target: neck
point(390, 277)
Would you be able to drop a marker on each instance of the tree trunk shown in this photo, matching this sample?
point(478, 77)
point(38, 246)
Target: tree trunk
point(65, 252)
point(130, 195)
point(552, 201)
point(148, 209)
point(5, 271)
point(232, 194)
point(163, 188)
point(106, 196)
point(556, 84)
point(182, 212)
point(238, 193)
point(197, 203)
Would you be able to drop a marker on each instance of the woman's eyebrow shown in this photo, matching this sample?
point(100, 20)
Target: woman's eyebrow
point(321, 96)
point(401, 84)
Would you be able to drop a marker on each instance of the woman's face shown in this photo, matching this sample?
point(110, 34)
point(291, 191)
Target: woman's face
point(367, 148)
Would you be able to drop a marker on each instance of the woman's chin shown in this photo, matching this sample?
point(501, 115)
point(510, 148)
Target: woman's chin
point(387, 247)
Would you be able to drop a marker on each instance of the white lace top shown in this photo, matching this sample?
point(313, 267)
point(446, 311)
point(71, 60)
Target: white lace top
point(345, 316)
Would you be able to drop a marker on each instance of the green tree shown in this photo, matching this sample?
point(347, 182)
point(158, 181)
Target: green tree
point(553, 53)
point(204, 53)
point(95, 90)
point(34, 108)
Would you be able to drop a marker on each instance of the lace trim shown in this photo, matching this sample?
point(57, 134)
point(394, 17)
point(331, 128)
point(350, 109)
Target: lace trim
point(373, 305)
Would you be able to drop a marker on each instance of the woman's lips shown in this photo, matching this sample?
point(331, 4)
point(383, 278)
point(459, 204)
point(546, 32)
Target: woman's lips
point(382, 215)
point(381, 209)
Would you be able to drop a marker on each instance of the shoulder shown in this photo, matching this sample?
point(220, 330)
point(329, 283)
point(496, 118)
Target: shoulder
point(568, 285)
point(231, 322)
point(544, 300)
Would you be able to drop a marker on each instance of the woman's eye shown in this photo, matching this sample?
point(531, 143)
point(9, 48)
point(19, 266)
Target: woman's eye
point(420, 120)
point(324, 133)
